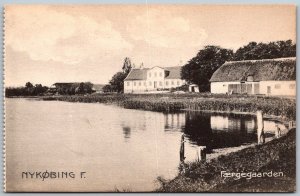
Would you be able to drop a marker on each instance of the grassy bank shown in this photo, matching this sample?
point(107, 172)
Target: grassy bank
point(278, 155)
point(284, 107)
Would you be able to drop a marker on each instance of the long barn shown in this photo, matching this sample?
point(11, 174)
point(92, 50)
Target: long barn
point(268, 77)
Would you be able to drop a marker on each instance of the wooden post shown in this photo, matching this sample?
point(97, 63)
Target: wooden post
point(202, 153)
point(260, 127)
point(292, 124)
point(277, 131)
point(182, 149)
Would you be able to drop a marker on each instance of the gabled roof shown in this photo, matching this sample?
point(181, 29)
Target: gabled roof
point(141, 74)
point(137, 74)
point(282, 69)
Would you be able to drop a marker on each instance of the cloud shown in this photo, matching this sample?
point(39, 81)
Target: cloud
point(161, 28)
point(46, 34)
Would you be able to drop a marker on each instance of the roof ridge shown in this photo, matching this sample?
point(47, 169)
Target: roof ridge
point(262, 60)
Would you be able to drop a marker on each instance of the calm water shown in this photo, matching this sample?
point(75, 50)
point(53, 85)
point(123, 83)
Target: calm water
point(116, 147)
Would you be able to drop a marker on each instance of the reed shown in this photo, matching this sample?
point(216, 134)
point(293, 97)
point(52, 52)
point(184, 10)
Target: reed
point(283, 107)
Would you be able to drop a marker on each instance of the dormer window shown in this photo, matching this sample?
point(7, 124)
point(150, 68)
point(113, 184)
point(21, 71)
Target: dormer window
point(250, 79)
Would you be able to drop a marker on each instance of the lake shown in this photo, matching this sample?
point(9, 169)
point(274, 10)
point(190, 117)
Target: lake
point(117, 148)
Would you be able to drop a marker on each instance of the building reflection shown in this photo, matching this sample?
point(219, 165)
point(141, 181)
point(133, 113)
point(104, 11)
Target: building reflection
point(201, 129)
point(174, 121)
point(218, 131)
point(126, 132)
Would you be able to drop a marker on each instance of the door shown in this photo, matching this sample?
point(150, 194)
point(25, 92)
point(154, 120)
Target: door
point(256, 88)
point(249, 88)
point(269, 90)
point(232, 88)
point(243, 88)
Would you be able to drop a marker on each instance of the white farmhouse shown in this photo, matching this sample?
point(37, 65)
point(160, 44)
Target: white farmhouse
point(268, 77)
point(153, 79)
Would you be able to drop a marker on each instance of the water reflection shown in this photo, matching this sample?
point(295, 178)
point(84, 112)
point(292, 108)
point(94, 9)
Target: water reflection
point(206, 129)
point(174, 121)
point(219, 131)
point(126, 132)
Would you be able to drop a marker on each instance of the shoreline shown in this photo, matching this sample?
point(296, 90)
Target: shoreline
point(277, 108)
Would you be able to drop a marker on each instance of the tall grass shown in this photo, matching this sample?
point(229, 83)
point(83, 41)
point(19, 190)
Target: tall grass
point(283, 107)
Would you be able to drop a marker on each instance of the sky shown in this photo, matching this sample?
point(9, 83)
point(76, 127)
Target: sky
point(45, 44)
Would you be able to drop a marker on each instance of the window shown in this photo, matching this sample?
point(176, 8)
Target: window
point(150, 83)
point(134, 83)
point(160, 74)
point(140, 84)
point(128, 83)
point(292, 86)
point(178, 82)
point(150, 75)
point(144, 83)
point(277, 86)
point(155, 74)
point(160, 83)
point(167, 83)
point(172, 82)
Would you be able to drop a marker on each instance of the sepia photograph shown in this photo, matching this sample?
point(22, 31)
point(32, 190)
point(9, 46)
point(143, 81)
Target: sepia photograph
point(149, 98)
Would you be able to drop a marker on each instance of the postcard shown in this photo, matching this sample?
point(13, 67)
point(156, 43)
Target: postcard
point(150, 98)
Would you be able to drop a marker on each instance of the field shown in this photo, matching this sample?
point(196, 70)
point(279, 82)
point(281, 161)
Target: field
point(277, 106)
point(278, 155)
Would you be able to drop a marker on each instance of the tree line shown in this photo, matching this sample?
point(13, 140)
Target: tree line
point(73, 88)
point(60, 88)
point(28, 90)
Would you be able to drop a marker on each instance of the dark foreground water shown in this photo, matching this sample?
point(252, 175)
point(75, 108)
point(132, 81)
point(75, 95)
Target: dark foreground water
point(117, 148)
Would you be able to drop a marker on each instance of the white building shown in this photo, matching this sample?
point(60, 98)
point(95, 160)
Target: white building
point(153, 79)
point(268, 77)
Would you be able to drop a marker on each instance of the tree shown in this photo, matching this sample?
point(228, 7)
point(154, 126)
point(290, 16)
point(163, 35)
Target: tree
point(80, 89)
point(127, 65)
point(40, 89)
point(117, 82)
point(28, 85)
point(84, 88)
point(107, 88)
point(201, 67)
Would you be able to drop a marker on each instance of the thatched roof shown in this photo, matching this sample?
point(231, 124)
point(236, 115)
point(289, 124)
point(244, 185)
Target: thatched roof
point(141, 74)
point(283, 69)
